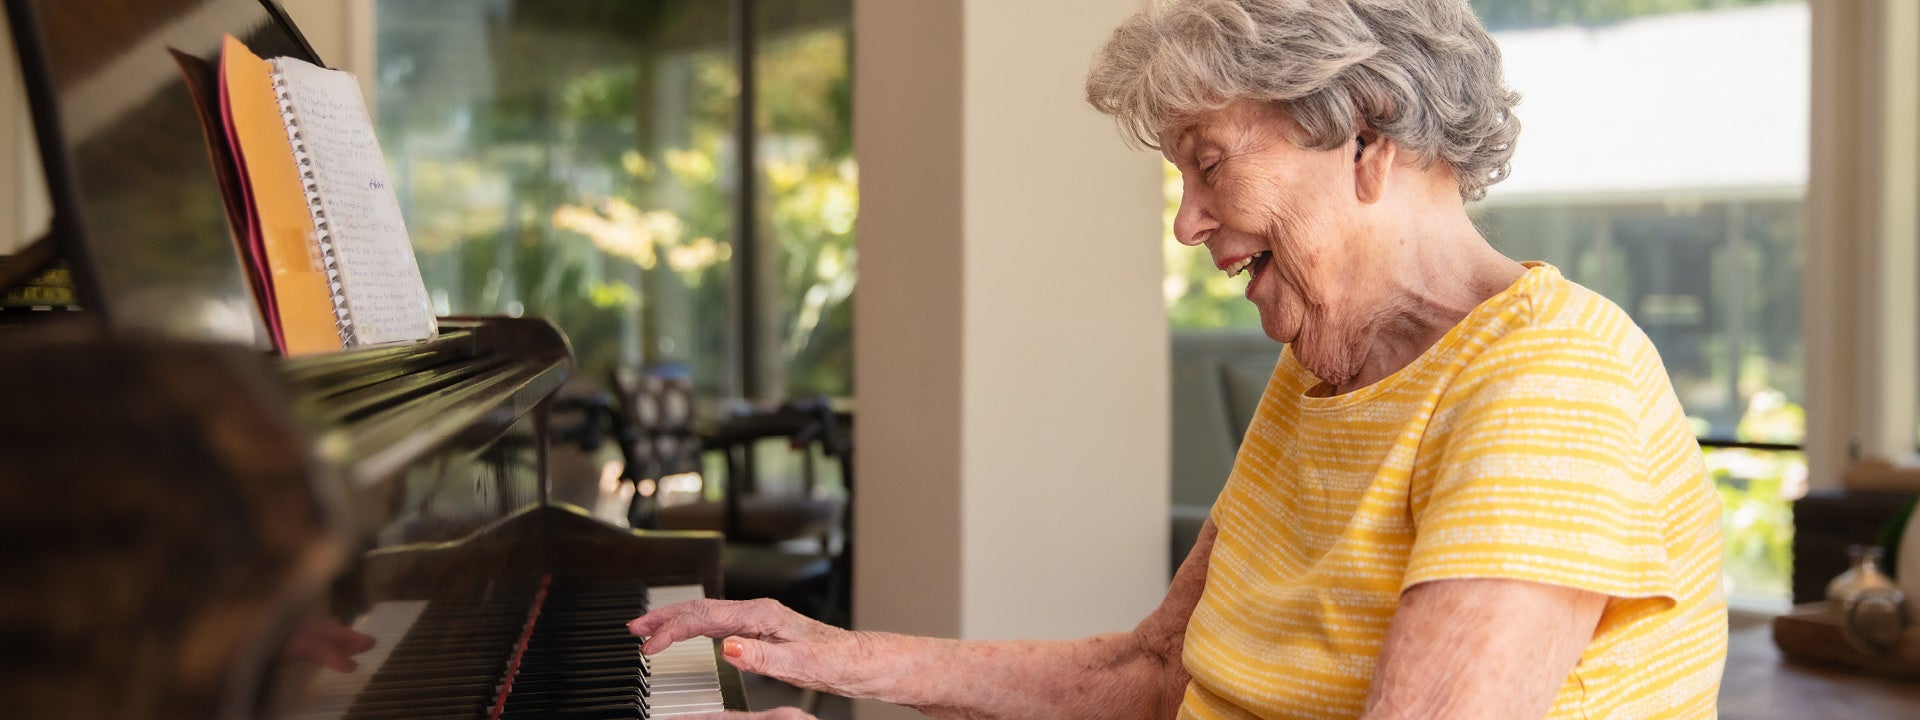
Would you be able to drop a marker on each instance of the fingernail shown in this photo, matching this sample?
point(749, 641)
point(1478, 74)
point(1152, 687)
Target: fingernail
point(731, 647)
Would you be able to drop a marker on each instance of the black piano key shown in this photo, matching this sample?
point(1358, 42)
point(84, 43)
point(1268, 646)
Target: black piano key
point(629, 701)
point(555, 670)
point(574, 681)
point(482, 688)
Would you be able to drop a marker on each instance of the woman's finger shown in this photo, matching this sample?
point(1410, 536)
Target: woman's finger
point(348, 640)
point(673, 623)
point(712, 618)
point(648, 623)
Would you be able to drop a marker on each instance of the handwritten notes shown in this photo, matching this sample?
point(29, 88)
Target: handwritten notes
point(357, 215)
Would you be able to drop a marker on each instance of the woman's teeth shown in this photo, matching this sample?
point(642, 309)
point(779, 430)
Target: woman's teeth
point(1239, 267)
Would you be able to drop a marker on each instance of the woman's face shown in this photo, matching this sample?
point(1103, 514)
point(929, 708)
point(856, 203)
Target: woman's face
point(1287, 215)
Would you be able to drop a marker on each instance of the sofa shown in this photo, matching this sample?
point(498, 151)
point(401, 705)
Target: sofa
point(1217, 379)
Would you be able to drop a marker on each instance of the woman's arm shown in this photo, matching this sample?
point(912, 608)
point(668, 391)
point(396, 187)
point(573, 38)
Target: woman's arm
point(1133, 674)
point(1481, 648)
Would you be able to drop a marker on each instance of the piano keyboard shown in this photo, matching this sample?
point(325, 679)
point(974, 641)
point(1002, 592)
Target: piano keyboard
point(565, 654)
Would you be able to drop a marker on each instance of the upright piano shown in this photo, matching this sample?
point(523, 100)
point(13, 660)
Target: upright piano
point(197, 529)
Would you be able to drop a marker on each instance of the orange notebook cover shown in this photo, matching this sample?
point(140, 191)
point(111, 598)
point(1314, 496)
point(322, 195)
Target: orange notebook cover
point(306, 321)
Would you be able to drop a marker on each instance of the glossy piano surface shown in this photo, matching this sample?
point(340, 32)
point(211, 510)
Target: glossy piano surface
point(432, 440)
point(209, 524)
point(134, 186)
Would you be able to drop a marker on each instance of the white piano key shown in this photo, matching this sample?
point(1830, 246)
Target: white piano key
point(684, 679)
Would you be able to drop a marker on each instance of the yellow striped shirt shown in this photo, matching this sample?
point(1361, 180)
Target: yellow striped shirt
point(1540, 440)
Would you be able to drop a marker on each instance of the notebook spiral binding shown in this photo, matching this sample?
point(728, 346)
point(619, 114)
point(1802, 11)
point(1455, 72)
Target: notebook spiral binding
point(310, 187)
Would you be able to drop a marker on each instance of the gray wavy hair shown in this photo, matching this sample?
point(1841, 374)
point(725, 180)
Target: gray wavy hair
point(1422, 72)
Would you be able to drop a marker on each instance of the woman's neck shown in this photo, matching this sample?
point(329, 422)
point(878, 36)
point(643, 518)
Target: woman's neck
point(1447, 270)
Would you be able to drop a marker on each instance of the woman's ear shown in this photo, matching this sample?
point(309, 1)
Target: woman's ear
point(1373, 157)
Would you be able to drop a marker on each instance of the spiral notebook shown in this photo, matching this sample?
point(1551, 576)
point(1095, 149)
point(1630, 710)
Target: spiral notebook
point(324, 219)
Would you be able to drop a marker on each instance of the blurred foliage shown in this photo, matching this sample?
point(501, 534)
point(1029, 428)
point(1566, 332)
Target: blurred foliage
point(577, 161)
point(1757, 489)
point(1520, 14)
point(811, 198)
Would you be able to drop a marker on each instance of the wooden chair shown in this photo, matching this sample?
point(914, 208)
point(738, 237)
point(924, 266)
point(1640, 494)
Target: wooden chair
point(787, 546)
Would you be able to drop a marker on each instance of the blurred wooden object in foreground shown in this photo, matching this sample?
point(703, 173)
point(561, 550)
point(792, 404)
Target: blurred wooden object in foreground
point(1814, 633)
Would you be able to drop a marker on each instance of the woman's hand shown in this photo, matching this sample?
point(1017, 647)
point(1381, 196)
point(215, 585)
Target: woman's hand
point(766, 638)
point(329, 643)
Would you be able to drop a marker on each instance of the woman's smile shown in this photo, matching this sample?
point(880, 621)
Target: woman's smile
point(1257, 265)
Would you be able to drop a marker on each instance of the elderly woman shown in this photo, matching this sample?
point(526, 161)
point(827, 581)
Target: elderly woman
point(1469, 490)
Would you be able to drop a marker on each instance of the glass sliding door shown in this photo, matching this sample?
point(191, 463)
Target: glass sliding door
point(572, 160)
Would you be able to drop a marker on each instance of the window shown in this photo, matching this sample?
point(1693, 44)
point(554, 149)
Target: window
point(580, 161)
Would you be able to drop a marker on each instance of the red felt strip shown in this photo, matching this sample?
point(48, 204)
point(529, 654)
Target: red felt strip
point(520, 649)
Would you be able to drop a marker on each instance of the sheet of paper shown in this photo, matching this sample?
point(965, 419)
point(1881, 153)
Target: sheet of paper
point(379, 274)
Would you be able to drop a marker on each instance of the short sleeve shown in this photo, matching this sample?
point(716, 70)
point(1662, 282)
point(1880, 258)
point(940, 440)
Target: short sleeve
point(1534, 470)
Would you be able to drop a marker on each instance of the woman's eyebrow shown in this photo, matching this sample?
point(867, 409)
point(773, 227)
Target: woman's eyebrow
point(1203, 140)
point(1178, 145)
point(1198, 136)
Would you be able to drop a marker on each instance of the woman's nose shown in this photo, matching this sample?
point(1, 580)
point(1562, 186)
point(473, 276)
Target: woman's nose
point(1192, 223)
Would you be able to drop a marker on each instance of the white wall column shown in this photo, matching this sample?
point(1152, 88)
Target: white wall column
point(342, 32)
point(1010, 342)
point(1898, 226)
point(1860, 319)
